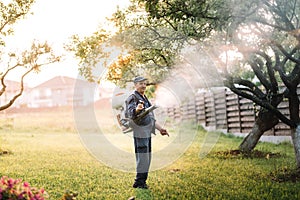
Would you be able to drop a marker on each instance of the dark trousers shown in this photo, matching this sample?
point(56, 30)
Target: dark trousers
point(143, 158)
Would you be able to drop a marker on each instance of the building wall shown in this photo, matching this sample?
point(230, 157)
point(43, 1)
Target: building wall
point(59, 91)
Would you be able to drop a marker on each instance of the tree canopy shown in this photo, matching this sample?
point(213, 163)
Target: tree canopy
point(148, 43)
point(266, 34)
point(263, 35)
point(152, 33)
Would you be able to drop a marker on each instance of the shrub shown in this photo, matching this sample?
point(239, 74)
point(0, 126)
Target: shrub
point(15, 189)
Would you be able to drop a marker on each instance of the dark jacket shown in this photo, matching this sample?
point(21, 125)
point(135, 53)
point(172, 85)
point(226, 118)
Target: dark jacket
point(132, 102)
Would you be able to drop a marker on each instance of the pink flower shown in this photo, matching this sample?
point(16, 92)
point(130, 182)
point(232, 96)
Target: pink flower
point(15, 189)
point(3, 180)
point(10, 183)
point(42, 190)
point(26, 184)
point(21, 196)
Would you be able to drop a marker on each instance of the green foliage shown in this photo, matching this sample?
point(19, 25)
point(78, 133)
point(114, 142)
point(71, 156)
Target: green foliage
point(90, 51)
point(131, 52)
point(150, 91)
point(195, 19)
point(149, 45)
point(10, 13)
point(265, 33)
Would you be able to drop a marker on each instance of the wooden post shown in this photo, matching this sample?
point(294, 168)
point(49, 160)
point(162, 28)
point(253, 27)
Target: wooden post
point(239, 111)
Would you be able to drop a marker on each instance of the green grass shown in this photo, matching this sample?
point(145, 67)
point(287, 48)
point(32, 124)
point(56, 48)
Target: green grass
point(57, 161)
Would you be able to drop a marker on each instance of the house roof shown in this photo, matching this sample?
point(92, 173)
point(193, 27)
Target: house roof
point(13, 85)
point(62, 81)
point(10, 83)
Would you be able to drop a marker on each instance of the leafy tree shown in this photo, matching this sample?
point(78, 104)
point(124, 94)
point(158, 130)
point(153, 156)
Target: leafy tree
point(101, 48)
point(25, 62)
point(266, 34)
point(146, 45)
point(272, 53)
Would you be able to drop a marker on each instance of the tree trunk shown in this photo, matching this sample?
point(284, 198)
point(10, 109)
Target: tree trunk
point(265, 121)
point(294, 116)
point(296, 141)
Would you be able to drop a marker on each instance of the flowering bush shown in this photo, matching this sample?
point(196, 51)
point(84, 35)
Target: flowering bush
point(15, 189)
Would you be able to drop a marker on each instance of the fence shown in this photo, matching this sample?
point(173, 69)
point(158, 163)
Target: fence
point(220, 108)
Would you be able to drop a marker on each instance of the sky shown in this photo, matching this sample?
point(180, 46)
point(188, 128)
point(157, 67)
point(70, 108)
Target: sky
point(56, 21)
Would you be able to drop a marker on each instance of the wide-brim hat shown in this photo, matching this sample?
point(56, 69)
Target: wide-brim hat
point(139, 79)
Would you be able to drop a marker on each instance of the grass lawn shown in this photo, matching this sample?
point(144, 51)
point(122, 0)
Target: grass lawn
point(58, 161)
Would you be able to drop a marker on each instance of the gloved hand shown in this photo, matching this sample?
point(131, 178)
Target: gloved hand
point(164, 132)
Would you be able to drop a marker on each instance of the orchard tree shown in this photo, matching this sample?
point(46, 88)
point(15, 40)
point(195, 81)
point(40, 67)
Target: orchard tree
point(266, 33)
point(122, 63)
point(146, 44)
point(122, 55)
point(26, 62)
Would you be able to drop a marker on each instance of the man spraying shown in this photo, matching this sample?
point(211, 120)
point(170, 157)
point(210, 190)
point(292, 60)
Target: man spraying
point(142, 129)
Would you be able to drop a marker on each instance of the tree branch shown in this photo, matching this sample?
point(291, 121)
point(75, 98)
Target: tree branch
point(286, 54)
point(251, 87)
point(259, 74)
point(3, 78)
point(263, 104)
point(7, 105)
point(270, 69)
point(282, 15)
point(10, 20)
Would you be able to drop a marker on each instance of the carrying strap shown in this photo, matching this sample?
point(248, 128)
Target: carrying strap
point(126, 104)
